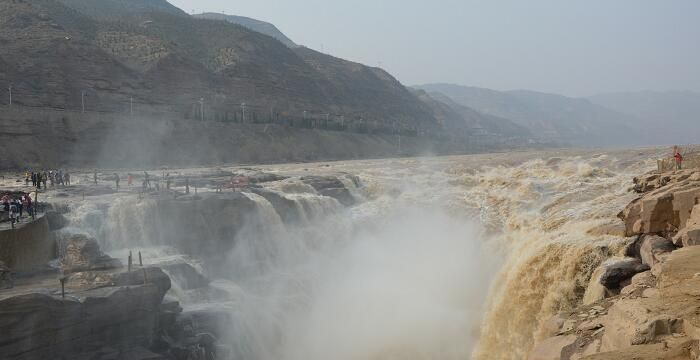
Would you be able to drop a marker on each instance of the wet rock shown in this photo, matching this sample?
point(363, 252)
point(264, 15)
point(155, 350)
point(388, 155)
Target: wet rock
point(87, 280)
point(56, 220)
point(286, 208)
point(258, 177)
point(80, 253)
point(617, 270)
point(330, 186)
point(186, 276)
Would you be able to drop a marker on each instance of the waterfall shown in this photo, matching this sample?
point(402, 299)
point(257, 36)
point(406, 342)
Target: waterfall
point(440, 258)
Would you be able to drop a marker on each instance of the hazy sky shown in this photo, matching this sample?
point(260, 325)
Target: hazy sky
point(570, 47)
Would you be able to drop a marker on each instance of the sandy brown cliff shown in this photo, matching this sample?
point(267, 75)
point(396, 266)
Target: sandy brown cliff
point(645, 303)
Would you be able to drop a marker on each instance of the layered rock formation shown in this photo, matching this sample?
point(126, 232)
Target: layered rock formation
point(646, 304)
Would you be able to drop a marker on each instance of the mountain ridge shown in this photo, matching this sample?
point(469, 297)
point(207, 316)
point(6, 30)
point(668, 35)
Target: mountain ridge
point(550, 117)
point(252, 24)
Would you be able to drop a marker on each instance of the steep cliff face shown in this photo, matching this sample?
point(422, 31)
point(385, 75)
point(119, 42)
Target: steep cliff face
point(122, 317)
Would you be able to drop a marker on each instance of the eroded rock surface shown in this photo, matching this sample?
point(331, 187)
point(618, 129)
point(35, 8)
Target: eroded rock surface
point(629, 312)
point(120, 315)
point(664, 206)
point(80, 253)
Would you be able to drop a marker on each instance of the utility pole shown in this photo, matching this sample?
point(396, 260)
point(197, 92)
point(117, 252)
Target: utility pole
point(10, 88)
point(82, 99)
point(201, 108)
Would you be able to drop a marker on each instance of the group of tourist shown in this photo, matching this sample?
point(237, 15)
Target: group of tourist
point(52, 177)
point(15, 207)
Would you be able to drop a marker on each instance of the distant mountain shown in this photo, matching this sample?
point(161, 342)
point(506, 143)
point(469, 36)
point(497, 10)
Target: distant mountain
point(252, 24)
point(459, 116)
point(549, 117)
point(52, 51)
point(673, 117)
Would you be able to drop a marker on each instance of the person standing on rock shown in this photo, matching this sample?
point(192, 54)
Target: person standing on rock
point(27, 203)
point(116, 179)
point(187, 185)
point(129, 179)
point(6, 203)
point(33, 179)
point(13, 213)
point(66, 178)
point(20, 206)
point(45, 178)
point(94, 176)
point(147, 181)
point(679, 160)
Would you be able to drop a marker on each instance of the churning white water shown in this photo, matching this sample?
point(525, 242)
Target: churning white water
point(451, 258)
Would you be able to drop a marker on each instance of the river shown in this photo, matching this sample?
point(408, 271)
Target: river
point(461, 257)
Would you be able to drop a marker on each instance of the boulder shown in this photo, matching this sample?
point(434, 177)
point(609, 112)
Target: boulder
point(694, 219)
point(80, 253)
point(649, 182)
point(617, 270)
point(640, 283)
point(666, 209)
point(690, 236)
point(650, 249)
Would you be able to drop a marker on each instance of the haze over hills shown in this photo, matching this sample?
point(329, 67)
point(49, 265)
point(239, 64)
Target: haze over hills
point(672, 116)
point(168, 60)
point(252, 24)
point(150, 59)
point(548, 116)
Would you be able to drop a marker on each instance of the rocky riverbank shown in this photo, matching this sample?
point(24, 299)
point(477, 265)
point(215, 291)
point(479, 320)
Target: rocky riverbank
point(71, 300)
point(644, 303)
